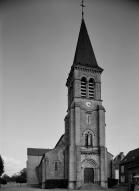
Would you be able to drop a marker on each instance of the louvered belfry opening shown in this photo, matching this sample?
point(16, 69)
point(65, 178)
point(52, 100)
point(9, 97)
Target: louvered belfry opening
point(83, 87)
point(91, 88)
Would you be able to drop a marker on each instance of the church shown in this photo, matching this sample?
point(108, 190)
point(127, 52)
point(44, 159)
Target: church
point(80, 156)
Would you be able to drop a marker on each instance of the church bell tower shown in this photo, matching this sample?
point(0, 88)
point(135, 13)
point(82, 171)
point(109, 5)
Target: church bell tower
point(85, 120)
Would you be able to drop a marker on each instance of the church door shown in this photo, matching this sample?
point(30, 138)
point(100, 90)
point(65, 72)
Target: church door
point(88, 175)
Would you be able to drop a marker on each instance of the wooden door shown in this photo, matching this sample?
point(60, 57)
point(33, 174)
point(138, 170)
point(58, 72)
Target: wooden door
point(88, 175)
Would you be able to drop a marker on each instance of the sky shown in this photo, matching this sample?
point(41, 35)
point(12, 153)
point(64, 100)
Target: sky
point(37, 45)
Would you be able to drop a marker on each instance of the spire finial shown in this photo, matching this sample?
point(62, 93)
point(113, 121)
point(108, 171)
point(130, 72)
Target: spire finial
point(82, 5)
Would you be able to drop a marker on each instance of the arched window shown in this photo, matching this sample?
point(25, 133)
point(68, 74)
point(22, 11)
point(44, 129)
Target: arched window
point(91, 88)
point(83, 87)
point(88, 139)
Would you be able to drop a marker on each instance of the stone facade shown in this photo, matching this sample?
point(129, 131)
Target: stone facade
point(51, 169)
point(34, 157)
point(80, 156)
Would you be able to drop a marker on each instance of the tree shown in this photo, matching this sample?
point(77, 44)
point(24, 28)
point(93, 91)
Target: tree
point(1, 169)
point(6, 177)
point(22, 177)
point(13, 177)
point(1, 166)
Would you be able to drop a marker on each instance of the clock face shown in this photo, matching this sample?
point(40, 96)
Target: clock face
point(88, 104)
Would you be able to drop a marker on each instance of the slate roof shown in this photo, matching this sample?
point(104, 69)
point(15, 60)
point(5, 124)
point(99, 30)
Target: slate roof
point(119, 157)
point(131, 156)
point(36, 151)
point(84, 54)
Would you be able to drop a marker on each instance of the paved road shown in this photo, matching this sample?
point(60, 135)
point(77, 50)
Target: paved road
point(17, 187)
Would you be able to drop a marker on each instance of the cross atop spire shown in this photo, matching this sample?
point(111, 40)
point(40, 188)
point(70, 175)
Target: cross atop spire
point(82, 5)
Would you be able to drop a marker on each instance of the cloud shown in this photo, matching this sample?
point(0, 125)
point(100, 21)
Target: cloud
point(12, 165)
point(11, 160)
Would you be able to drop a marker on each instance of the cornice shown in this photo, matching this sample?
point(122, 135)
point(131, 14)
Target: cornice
point(86, 68)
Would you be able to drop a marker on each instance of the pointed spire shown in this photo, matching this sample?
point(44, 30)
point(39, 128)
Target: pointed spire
point(84, 54)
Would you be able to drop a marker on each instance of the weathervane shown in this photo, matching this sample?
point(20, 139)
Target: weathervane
point(82, 5)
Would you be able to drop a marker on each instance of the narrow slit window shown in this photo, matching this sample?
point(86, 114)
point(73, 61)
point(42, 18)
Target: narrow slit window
point(56, 166)
point(88, 119)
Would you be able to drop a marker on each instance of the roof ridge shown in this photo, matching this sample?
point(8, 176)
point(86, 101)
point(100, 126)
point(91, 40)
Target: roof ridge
point(131, 156)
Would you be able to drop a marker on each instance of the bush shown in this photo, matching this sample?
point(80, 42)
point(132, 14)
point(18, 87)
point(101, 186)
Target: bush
point(3, 181)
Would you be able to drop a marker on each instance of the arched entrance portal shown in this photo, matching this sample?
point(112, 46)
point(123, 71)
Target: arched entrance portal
point(88, 175)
